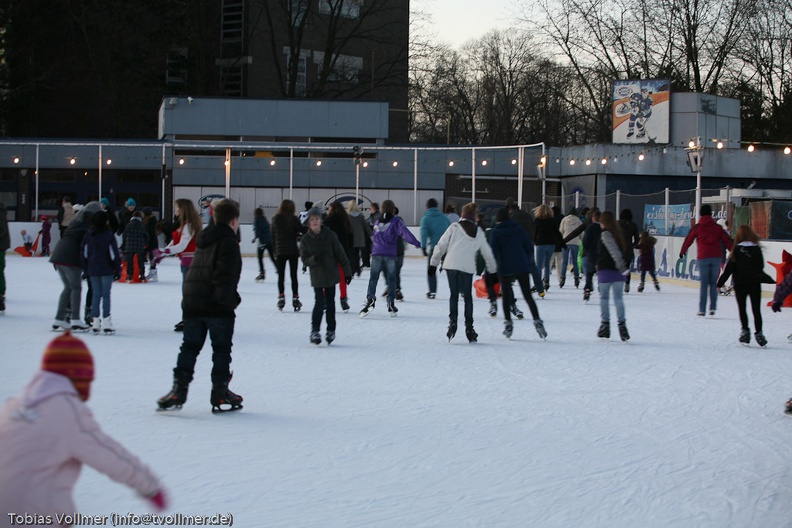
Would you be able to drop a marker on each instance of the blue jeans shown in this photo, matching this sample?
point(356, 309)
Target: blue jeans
point(432, 278)
point(460, 282)
point(100, 286)
point(544, 255)
point(605, 288)
point(221, 331)
point(69, 301)
point(324, 302)
point(708, 274)
point(570, 252)
point(380, 263)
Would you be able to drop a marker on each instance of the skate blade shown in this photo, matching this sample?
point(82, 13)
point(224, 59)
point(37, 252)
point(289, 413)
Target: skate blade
point(218, 409)
point(171, 408)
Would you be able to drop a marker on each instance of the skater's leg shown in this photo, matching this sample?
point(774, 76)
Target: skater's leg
point(106, 284)
point(342, 286)
point(63, 300)
point(293, 263)
point(96, 290)
point(193, 339)
point(604, 291)
point(376, 267)
point(618, 301)
point(755, 293)
point(260, 258)
point(318, 309)
point(280, 265)
point(330, 314)
point(524, 280)
point(221, 332)
point(431, 278)
point(466, 288)
point(390, 274)
point(453, 300)
point(507, 295)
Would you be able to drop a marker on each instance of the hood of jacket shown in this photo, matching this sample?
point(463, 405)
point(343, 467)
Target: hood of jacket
point(212, 234)
point(43, 386)
point(469, 227)
point(433, 212)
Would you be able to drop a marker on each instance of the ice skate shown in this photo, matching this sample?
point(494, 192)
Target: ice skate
point(623, 333)
point(604, 330)
point(399, 296)
point(508, 329)
point(60, 326)
point(431, 295)
point(760, 339)
point(175, 398)
point(540, 329)
point(88, 317)
point(281, 302)
point(712, 313)
point(179, 327)
point(577, 282)
point(493, 309)
point(516, 311)
point(745, 336)
point(260, 277)
point(561, 282)
point(392, 309)
point(79, 327)
point(329, 337)
point(657, 285)
point(2, 305)
point(152, 276)
point(626, 287)
point(223, 400)
point(344, 304)
point(296, 304)
point(640, 287)
point(788, 408)
point(368, 308)
point(316, 338)
point(452, 328)
point(96, 327)
point(107, 326)
point(586, 294)
point(471, 335)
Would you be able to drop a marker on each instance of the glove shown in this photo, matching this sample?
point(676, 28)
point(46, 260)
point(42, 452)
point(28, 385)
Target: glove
point(117, 275)
point(432, 271)
point(626, 272)
point(158, 254)
point(348, 279)
point(158, 501)
point(253, 241)
point(681, 255)
point(425, 254)
point(84, 276)
point(776, 307)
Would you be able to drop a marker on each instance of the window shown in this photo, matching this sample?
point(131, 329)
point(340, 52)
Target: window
point(346, 67)
point(300, 83)
point(344, 8)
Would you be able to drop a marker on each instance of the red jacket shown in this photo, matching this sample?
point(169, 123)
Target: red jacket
point(710, 239)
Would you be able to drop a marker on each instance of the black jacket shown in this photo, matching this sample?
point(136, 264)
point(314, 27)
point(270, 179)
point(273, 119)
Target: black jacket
point(747, 266)
point(286, 231)
point(67, 250)
point(210, 287)
point(631, 236)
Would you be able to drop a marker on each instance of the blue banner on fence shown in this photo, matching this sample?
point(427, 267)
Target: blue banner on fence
point(678, 224)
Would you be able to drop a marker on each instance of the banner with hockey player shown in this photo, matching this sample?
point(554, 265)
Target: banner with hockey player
point(641, 112)
point(679, 219)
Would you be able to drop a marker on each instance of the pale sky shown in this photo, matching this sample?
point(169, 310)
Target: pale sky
point(457, 21)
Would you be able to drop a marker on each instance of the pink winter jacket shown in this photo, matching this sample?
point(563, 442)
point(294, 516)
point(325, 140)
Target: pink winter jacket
point(46, 434)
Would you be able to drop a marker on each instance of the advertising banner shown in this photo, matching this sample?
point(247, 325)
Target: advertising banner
point(678, 224)
point(641, 112)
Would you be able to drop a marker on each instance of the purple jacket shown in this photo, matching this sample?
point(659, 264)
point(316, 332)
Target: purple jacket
point(386, 234)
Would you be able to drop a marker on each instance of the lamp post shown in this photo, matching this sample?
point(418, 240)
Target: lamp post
point(695, 152)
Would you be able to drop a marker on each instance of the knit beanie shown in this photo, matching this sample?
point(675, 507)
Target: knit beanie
point(105, 201)
point(68, 356)
point(131, 203)
point(314, 211)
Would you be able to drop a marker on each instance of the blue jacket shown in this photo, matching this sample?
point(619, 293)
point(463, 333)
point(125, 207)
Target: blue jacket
point(99, 254)
point(433, 224)
point(261, 230)
point(512, 247)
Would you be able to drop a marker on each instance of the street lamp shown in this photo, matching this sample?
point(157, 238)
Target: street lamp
point(695, 152)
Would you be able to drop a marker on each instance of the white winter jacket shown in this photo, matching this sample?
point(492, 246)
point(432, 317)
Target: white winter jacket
point(457, 248)
point(568, 224)
point(46, 434)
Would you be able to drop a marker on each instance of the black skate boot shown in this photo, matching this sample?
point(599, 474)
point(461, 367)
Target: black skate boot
point(452, 328)
point(604, 330)
point(88, 317)
point(2, 305)
point(399, 296)
point(368, 308)
point(657, 285)
point(540, 329)
point(760, 339)
point(546, 285)
point(392, 309)
point(508, 329)
point(586, 294)
point(296, 304)
point(344, 304)
point(623, 333)
point(176, 397)
point(640, 287)
point(516, 311)
point(577, 282)
point(561, 282)
point(281, 302)
point(745, 336)
point(260, 277)
point(471, 334)
point(493, 309)
point(316, 337)
point(788, 407)
point(223, 400)
point(329, 337)
point(626, 287)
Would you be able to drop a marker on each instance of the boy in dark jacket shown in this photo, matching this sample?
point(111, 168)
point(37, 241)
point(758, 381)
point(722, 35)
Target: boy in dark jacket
point(135, 242)
point(209, 301)
point(322, 252)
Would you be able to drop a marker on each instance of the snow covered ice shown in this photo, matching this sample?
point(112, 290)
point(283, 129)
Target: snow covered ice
point(393, 426)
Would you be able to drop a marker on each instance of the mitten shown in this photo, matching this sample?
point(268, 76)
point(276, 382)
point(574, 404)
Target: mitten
point(158, 500)
point(432, 271)
point(681, 255)
point(776, 307)
point(425, 254)
point(348, 279)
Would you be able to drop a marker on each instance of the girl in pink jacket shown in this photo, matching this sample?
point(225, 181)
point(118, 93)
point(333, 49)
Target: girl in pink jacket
point(48, 433)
